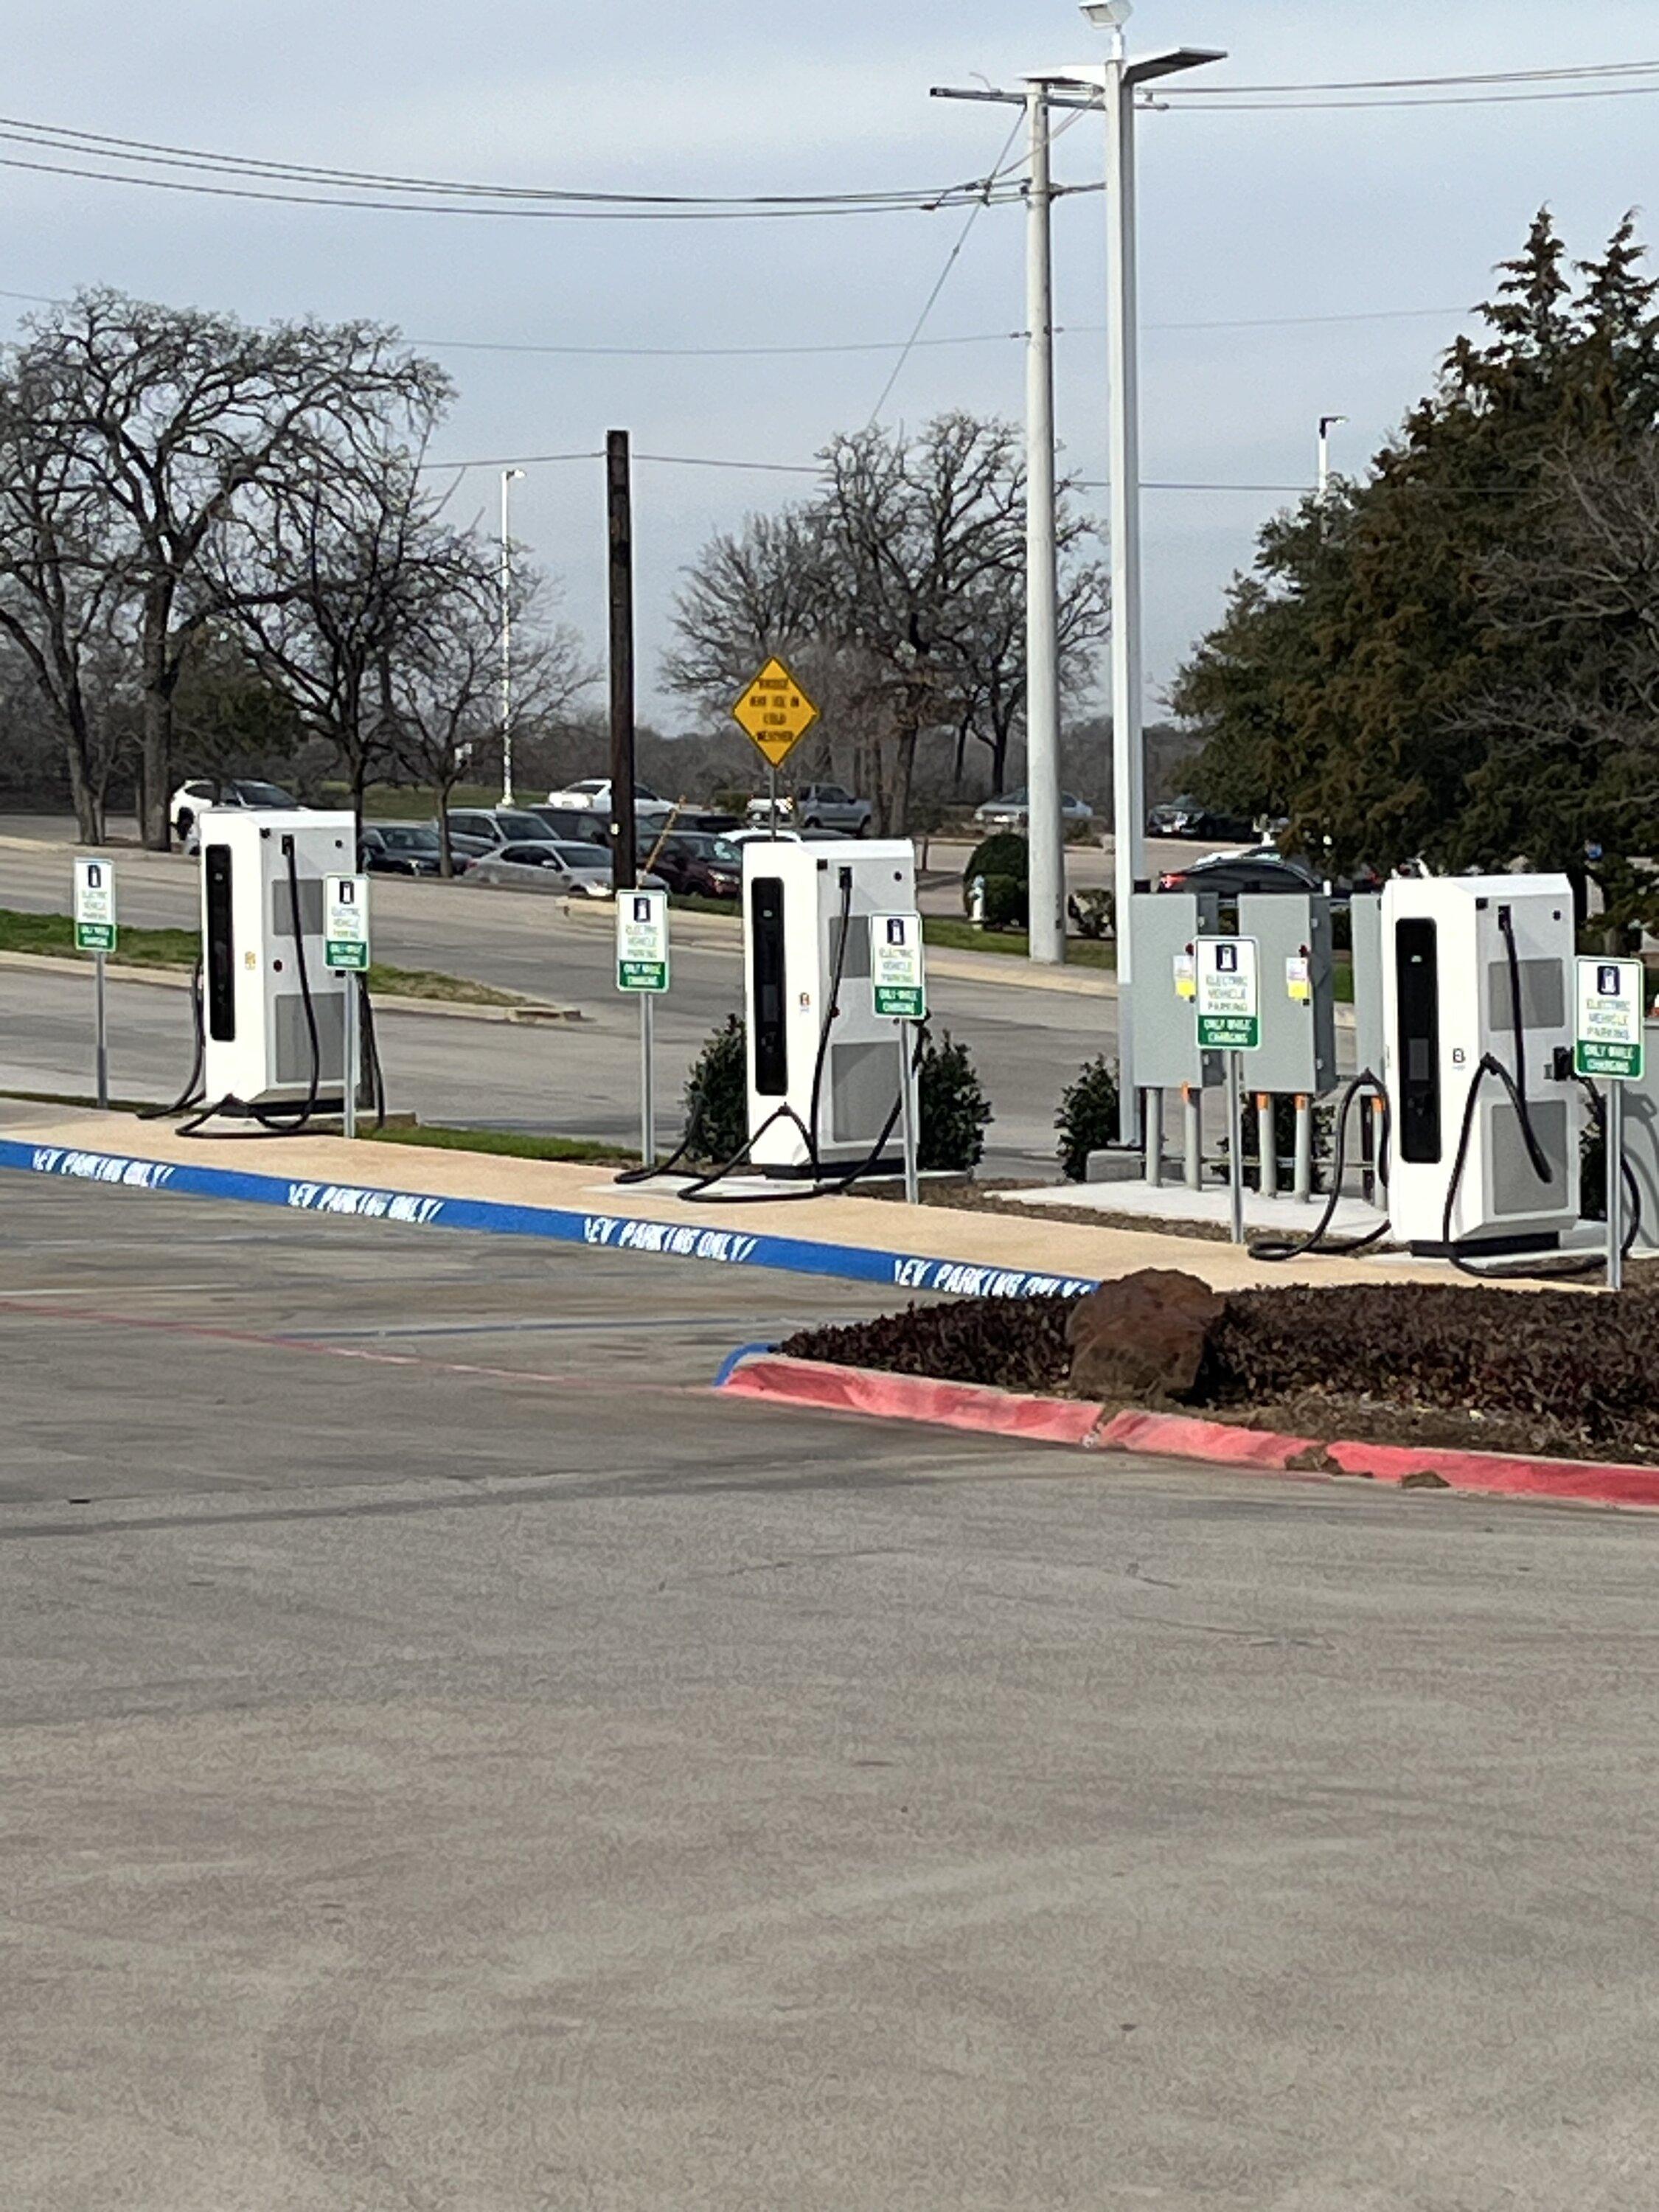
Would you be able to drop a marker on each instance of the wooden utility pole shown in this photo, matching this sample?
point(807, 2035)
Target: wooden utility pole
point(620, 503)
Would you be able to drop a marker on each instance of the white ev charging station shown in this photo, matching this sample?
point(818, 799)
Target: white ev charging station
point(274, 1026)
point(1477, 975)
point(825, 1070)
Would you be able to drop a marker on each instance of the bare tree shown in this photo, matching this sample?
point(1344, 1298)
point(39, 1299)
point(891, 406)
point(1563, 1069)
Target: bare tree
point(901, 588)
point(326, 602)
point(62, 599)
point(443, 677)
point(765, 591)
point(181, 425)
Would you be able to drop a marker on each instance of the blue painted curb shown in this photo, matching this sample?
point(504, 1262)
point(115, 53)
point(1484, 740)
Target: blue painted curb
point(733, 1360)
point(613, 1233)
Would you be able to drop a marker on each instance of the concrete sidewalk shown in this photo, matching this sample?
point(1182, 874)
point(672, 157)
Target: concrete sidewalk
point(913, 1248)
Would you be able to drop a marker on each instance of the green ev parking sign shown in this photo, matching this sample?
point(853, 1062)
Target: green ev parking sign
point(898, 982)
point(345, 922)
point(94, 906)
point(641, 940)
point(1229, 997)
point(1607, 1025)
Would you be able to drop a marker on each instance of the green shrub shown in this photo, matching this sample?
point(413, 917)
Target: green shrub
point(1008, 903)
point(1094, 913)
point(1087, 1120)
point(1006, 853)
point(717, 1096)
point(954, 1111)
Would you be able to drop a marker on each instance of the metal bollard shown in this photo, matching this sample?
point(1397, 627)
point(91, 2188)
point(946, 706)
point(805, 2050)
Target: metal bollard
point(1192, 1099)
point(1304, 1146)
point(1152, 1110)
point(1266, 1146)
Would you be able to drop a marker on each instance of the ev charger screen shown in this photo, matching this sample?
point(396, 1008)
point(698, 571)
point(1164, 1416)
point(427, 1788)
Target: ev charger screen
point(1417, 956)
point(766, 938)
point(220, 948)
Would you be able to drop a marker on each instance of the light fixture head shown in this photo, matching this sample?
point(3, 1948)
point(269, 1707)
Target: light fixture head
point(1109, 14)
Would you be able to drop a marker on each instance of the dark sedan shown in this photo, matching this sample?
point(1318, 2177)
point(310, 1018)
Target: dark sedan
point(1233, 873)
point(405, 848)
point(689, 862)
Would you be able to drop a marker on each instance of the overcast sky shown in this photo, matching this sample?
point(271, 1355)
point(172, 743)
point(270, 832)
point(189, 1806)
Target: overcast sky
point(1261, 215)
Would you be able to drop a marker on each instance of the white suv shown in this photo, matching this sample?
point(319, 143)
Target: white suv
point(592, 796)
point(189, 800)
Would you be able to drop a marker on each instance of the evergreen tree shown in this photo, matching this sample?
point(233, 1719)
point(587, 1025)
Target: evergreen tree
point(1363, 679)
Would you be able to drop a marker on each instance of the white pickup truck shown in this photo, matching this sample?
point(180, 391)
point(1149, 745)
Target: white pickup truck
point(818, 806)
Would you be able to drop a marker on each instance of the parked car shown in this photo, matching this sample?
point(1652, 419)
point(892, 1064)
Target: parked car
point(592, 796)
point(751, 837)
point(405, 848)
point(689, 861)
point(1013, 812)
point(543, 865)
point(188, 801)
point(1190, 817)
point(818, 806)
point(573, 825)
point(1261, 869)
point(476, 830)
point(1172, 818)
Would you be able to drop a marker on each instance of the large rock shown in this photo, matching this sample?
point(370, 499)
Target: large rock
point(1142, 1340)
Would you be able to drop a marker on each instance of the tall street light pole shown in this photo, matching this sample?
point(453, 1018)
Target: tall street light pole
point(508, 477)
point(1119, 82)
point(1044, 828)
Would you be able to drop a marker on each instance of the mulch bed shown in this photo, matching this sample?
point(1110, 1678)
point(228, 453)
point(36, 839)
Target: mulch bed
point(1548, 1372)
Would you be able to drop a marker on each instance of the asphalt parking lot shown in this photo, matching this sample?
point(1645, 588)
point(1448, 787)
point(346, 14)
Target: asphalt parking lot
point(450, 1761)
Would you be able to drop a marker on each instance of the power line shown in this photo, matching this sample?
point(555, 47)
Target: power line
point(1196, 103)
point(955, 196)
point(1568, 72)
point(263, 178)
point(670, 460)
point(915, 343)
point(950, 260)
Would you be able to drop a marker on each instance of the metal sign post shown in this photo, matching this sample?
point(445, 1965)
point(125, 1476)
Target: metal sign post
point(1229, 1004)
point(1609, 1047)
point(95, 932)
point(643, 968)
point(345, 950)
point(898, 991)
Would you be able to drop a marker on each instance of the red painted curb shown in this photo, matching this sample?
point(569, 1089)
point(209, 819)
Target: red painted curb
point(914, 1398)
point(1499, 1474)
point(1180, 1436)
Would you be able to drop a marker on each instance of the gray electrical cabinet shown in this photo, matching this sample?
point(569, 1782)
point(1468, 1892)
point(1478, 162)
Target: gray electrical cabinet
point(1365, 914)
point(1297, 1054)
point(1164, 926)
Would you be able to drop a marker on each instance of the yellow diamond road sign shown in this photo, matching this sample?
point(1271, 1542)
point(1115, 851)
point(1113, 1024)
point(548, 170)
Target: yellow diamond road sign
point(774, 713)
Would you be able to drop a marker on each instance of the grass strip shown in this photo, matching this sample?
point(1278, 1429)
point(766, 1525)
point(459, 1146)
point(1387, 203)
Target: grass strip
point(511, 1144)
point(951, 935)
point(54, 935)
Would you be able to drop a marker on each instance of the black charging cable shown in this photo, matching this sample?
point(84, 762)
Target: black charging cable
point(191, 1094)
point(1458, 1250)
point(1319, 1243)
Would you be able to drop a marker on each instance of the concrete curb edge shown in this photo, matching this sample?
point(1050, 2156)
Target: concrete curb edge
point(824, 1386)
